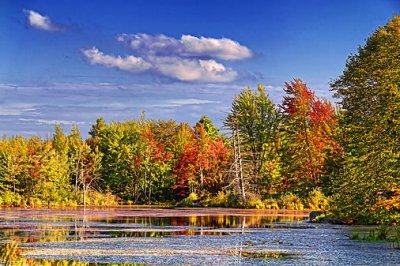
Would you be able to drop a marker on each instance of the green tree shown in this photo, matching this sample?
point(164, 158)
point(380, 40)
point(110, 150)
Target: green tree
point(76, 146)
point(209, 128)
point(369, 90)
point(52, 185)
point(258, 122)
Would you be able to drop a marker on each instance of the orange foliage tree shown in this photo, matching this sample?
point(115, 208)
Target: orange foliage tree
point(309, 139)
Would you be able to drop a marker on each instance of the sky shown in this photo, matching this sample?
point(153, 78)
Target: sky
point(71, 62)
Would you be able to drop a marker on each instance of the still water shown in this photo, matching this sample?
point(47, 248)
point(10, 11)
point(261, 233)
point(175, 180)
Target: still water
point(187, 236)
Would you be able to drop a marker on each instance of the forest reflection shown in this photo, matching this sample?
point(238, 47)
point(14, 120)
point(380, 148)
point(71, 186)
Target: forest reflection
point(49, 229)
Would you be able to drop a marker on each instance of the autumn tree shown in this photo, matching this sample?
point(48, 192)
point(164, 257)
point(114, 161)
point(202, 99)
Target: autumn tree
point(13, 155)
point(369, 94)
point(90, 169)
point(308, 136)
point(202, 164)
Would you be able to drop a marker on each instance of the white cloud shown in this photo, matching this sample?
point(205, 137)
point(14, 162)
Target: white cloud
point(41, 22)
point(129, 63)
point(193, 69)
point(187, 46)
point(44, 104)
point(187, 59)
point(151, 44)
point(224, 48)
point(183, 69)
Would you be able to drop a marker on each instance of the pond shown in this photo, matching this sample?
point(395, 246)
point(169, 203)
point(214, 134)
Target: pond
point(194, 236)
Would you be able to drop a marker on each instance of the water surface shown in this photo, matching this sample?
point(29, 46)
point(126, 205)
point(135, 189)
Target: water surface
point(187, 236)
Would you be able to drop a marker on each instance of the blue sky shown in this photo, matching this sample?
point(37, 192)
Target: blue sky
point(73, 61)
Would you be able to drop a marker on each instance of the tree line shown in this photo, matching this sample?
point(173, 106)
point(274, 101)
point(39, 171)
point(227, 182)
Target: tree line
point(301, 153)
point(282, 149)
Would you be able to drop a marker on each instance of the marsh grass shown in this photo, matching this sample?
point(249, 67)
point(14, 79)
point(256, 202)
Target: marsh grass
point(383, 233)
point(10, 252)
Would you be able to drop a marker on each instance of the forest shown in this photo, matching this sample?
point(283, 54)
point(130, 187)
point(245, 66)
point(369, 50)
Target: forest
point(302, 153)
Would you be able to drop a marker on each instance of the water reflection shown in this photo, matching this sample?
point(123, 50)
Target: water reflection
point(50, 229)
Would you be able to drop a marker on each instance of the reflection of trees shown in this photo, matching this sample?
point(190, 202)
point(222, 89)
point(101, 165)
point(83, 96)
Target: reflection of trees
point(80, 227)
point(235, 221)
point(43, 233)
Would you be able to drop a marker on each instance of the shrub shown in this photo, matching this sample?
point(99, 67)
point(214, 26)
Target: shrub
point(189, 201)
point(254, 202)
point(317, 200)
point(94, 198)
point(220, 200)
point(271, 204)
point(291, 201)
point(9, 198)
point(34, 202)
point(69, 203)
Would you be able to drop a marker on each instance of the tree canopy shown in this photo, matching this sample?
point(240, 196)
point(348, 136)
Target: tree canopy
point(369, 93)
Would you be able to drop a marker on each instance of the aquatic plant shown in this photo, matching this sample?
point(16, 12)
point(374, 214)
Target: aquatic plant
point(10, 252)
point(266, 254)
point(383, 232)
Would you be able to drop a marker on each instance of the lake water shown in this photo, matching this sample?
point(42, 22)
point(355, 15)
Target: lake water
point(188, 236)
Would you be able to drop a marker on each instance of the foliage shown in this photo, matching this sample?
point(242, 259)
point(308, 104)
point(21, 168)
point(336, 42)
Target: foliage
point(254, 202)
point(316, 200)
point(310, 126)
point(225, 199)
point(201, 164)
point(365, 188)
point(190, 201)
point(258, 122)
point(152, 162)
point(271, 204)
point(291, 201)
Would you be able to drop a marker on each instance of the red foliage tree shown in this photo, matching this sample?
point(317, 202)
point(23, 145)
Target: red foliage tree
point(310, 134)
